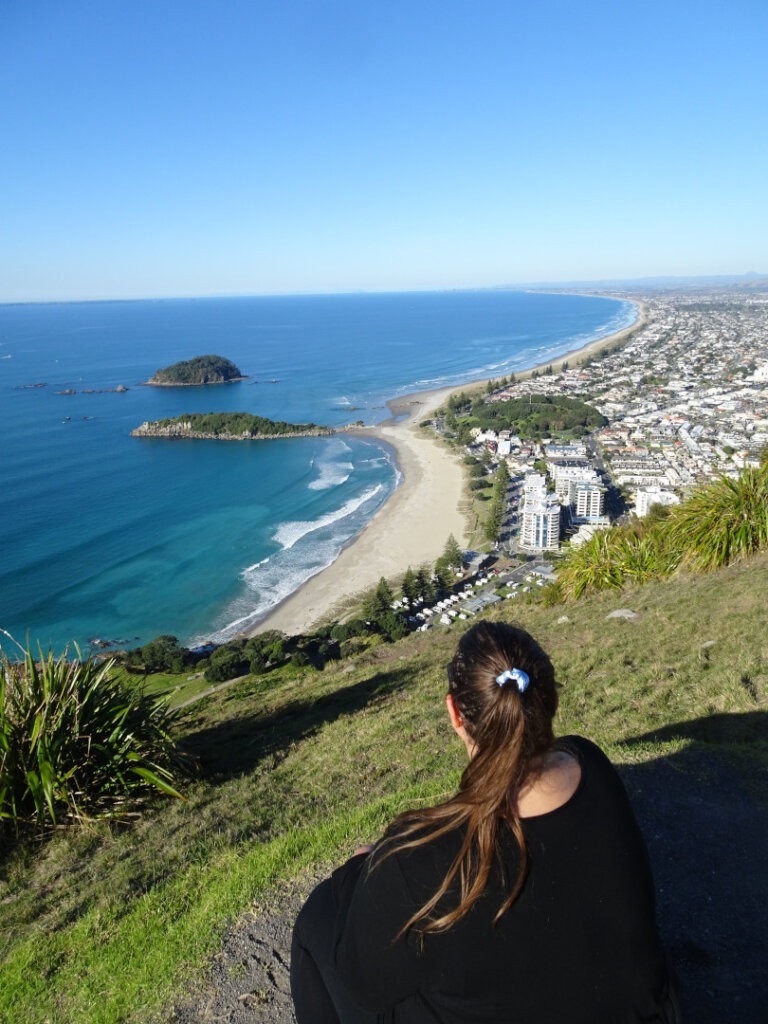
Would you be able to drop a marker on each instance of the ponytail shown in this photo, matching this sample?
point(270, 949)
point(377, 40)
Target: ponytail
point(503, 686)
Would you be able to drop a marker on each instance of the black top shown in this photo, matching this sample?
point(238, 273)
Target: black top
point(579, 945)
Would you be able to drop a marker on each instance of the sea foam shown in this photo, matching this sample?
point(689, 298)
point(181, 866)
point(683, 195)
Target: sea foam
point(289, 534)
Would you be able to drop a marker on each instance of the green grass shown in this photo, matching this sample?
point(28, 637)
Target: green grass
point(112, 923)
point(177, 687)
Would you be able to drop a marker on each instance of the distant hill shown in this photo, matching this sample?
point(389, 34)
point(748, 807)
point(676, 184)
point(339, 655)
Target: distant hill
point(200, 370)
point(721, 282)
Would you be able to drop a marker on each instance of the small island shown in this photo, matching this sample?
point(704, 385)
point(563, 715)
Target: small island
point(227, 426)
point(195, 372)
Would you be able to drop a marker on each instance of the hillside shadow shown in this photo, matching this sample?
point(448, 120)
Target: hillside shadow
point(748, 727)
point(703, 815)
point(236, 745)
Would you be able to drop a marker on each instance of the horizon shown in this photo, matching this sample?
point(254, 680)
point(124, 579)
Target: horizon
point(651, 282)
point(320, 147)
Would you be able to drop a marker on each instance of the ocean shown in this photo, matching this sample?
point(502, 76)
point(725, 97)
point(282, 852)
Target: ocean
point(109, 538)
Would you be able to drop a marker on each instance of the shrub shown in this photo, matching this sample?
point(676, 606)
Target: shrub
point(720, 522)
point(227, 662)
point(346, 630)
point(164, 654)
point(726, 520)
point(76, 743)
point(615, 557)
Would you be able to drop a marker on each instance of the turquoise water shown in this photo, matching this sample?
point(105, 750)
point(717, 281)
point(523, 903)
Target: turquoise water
point(112, 537)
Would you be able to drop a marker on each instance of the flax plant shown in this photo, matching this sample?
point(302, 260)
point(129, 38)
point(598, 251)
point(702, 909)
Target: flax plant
point(76, 743)
point(613, 558)
point(591, 566)
point(724, 521)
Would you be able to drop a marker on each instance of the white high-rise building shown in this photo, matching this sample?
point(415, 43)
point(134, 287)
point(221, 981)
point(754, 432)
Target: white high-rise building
point(588, 504)
point(647, 496)
point(534, 484)
point(568, 477)
point(540, 529)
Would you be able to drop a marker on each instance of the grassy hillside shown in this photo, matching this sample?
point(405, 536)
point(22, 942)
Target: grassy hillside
point(112, 923)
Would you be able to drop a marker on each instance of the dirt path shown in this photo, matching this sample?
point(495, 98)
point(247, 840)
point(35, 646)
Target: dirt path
point(704, 820)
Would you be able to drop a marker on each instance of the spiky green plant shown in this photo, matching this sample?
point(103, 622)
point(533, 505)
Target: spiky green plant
point(75, 742)
point(723, 521)
point(635, 553)
point(594, 565)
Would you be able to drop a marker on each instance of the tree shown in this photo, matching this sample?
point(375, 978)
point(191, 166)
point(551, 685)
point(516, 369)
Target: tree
point(452, 554)
point(378, 601)
point(443, 578)
point(463, 435)
point(227, 662)
point(425, 585)
point(164, 654)
point(391, 626)
point(410, 587)
point(341, 631)
point(495, 518)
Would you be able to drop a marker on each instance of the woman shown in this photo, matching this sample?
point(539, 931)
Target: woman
point(525, 897)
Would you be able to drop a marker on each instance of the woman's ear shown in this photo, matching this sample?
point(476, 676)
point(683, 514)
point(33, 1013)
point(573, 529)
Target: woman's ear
point(458, 725)
point(453, 713)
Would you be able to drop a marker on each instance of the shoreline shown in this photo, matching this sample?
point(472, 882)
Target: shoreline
point(413, 524)
point(410, 528)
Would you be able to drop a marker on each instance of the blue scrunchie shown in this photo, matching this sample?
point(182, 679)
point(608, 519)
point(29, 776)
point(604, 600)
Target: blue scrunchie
point(522, 679)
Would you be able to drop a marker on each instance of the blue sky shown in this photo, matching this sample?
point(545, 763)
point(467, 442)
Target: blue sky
point(161, 147)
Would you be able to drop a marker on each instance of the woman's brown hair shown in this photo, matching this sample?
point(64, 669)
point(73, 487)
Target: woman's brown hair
point(510, 731)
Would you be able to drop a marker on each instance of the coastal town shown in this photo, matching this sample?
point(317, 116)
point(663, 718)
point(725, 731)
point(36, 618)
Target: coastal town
point(685, 400)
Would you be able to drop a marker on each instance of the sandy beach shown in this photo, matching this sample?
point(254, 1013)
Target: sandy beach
point(412, 527)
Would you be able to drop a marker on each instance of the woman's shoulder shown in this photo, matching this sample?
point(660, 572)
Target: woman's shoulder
point(580, 747)
point(592, 759)
point(601, 784)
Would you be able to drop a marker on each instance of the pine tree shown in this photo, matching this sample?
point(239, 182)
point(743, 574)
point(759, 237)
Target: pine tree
point(378, 601)
point(452, 555)
point(410, 587)
point(425, 587)
point(498, 503)
point(443, 578)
